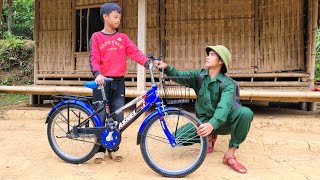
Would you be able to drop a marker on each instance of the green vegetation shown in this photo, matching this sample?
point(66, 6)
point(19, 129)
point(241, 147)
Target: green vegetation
point(13, 99)
point(16, 46)
point(16, 53)
point(21, 17)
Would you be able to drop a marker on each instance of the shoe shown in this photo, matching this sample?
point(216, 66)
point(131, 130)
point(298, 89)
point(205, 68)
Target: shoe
point(213, 139)
point(116, 158)
point(236, 166)
point(99, 157)
point(316, 88)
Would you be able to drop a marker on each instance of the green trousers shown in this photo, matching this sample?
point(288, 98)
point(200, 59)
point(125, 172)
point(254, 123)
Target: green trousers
point(238, 125)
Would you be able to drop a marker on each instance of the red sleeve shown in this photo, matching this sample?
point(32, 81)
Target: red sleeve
point(134, 53)
point(94, 56)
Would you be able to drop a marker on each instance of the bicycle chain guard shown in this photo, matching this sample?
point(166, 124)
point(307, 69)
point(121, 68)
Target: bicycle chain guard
point(110, 139)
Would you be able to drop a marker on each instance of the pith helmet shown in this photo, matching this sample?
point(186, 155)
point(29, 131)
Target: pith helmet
point(223, 52)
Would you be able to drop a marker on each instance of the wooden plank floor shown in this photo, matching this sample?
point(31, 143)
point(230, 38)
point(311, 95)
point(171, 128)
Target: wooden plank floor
point(284, 94)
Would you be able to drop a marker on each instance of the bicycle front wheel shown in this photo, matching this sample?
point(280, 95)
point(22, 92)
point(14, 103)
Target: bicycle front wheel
point(68, 147)
point(180, 160)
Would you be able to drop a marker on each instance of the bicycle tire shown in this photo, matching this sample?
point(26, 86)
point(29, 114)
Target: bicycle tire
point(57, 117)
point(159, 162)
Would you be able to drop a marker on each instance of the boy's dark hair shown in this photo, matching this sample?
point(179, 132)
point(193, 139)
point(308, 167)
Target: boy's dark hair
point(107, 8)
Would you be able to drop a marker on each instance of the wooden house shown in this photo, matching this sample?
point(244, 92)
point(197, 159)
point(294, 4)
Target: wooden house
point(272, 42)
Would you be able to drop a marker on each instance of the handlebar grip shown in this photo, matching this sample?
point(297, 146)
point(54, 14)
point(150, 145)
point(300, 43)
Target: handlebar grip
point(93, 84)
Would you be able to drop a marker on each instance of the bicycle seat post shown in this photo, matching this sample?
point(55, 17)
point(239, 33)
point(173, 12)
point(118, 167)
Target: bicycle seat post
point(104, 98)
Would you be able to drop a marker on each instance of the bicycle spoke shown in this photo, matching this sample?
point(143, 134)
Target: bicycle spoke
point(60, 127)
point(153, 137)
point(181, 159)
point(65, 145)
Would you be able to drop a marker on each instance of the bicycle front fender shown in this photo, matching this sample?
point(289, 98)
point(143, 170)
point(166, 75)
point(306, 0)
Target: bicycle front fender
point(86, 106)
point(150, 116)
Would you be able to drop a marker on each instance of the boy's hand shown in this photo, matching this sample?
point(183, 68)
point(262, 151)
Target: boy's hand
point(161, 64)
point(204, 129)
point(100, 79)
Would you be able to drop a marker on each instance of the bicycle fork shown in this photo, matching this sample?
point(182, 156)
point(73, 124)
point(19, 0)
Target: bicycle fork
point(161, 111)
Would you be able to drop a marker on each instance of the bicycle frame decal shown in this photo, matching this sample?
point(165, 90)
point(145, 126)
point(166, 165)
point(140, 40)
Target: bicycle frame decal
point(150, 97)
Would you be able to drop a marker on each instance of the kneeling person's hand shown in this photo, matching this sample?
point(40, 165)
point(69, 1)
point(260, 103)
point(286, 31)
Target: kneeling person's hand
point(204, 129)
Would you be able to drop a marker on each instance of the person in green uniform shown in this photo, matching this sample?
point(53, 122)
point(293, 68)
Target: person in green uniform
point(214, 107)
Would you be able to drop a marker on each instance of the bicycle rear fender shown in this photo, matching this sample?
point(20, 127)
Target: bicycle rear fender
point(152, 115)
point(86, 106)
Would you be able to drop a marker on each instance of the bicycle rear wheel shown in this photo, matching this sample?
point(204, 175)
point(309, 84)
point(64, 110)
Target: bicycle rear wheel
point(180, 160)
point(62, 140)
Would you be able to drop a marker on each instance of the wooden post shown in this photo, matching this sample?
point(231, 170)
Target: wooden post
point(34, 98)
point(311, 45)
point(36, 40)
point(74, 36)
point(142, 37)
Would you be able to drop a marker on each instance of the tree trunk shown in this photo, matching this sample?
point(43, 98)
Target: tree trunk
point(1, 6)
point(10, 16)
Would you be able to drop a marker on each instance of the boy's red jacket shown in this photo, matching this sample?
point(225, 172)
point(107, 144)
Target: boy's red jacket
point(108, 54)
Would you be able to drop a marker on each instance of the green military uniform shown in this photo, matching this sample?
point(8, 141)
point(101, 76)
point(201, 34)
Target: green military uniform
point(216, 110)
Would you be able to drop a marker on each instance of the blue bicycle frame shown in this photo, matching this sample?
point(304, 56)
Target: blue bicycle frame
point(149, 98)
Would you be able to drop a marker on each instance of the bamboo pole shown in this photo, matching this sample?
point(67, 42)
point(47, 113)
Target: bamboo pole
point(273, 84)
point(87, 33)
point(87, 75)
point(80, 82)
point(270, 94)
point(162, 42)
point(262, 75)
point(80, 37)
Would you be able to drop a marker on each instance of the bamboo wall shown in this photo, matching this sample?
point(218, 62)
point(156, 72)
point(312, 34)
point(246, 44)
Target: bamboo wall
point(265, 36)
point(55, 37)
point(281, 46)
point(193, 24)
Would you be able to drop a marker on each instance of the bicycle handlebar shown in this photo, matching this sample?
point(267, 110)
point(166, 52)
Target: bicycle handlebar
point(149, 56)
point(93, 84)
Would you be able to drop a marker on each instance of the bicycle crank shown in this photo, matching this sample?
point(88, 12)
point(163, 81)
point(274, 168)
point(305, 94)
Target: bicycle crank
point(110, 139)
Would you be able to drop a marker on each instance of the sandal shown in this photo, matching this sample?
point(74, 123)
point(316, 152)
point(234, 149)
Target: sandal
point(212, 141)
point(99, 158)
point(116, 158)
point(236, 166)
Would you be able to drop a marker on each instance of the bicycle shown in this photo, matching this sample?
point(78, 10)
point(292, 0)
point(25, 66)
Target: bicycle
point(75, 131)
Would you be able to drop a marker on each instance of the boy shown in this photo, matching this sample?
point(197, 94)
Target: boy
point(214, 108)
point(108, 51)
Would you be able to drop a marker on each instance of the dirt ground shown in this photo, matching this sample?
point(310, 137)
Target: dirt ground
point(282, 144)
